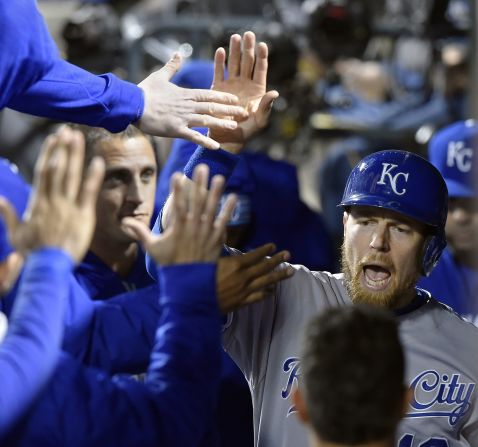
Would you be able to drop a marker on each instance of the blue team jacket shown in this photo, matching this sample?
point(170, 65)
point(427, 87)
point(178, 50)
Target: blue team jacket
point(30, 350)
point(84, 406)
point(34, 79)
point(454, 285)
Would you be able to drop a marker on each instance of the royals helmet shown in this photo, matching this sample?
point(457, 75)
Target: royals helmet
point(408, 184)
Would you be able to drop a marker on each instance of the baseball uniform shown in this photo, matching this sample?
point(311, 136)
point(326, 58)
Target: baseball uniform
point(441, 351)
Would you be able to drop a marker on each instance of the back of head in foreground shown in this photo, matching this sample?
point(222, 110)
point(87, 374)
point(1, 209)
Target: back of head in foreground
point(353, 391)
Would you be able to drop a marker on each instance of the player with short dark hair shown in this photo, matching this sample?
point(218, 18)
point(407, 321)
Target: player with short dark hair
point(115, 261)
point(353, 368)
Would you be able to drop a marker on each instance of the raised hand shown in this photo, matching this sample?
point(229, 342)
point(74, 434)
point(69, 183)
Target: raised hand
point(247, 79)
point(170, 110)
point(250, 277)
point(61, 212)
point(196, 234)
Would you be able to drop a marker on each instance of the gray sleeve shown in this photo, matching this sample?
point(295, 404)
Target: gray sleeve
point(247, 335)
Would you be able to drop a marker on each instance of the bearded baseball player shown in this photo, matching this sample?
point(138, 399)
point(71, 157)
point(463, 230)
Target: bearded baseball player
point(394, 214)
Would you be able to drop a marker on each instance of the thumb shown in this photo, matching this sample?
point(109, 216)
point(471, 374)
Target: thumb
point(9, 215)
point(171, 67)
point(265, 106)
point(138, 230)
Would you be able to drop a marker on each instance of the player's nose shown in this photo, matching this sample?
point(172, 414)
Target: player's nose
point(379, 238)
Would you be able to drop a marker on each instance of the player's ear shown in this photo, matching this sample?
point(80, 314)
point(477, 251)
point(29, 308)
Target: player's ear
point(299, 404)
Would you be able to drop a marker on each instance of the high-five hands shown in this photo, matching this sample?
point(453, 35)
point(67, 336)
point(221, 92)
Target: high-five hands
point(250, 277)
point(247, 79)
point(171, 111)
point(61, 212)
point(195, 234)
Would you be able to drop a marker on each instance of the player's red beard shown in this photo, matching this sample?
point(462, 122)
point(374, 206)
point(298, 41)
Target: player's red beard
point(390, 297)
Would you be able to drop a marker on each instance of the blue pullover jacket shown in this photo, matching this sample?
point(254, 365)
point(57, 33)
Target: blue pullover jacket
point(35, 79)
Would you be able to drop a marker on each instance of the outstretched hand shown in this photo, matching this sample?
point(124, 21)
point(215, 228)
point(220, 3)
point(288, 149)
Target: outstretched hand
point(247, 80)
point(61, 212)
point(171, 111)
point(247, 278)
point(196, 234)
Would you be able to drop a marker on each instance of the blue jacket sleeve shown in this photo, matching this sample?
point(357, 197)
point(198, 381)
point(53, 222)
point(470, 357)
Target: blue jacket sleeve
point(29, 352)
point(83, 406)
point(116, 335)
point(69, 93)
point(27, 51)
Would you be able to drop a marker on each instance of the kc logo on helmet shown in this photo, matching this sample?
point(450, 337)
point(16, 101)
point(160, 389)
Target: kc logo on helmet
point(392, 177)
point(459, 156)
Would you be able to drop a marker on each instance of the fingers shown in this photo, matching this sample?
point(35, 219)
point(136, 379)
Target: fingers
point(179, 200)
point(265, 107)
point(7, 211)
point(199, 193)
point(171, 67)
point(41, 180)
point(261, 65)
point(74, 169)
point(211, 122)
point(234, 59)
point(214, 96)
point(202, 106)
point(267, 264)
point(252, 257)
point(198, 138)
point(269, 279)
point(139, 231)
point(219, 65)
point(224, 217)
point(92, 183)
point(248, 55)
point(214, 196)
point(57, 166)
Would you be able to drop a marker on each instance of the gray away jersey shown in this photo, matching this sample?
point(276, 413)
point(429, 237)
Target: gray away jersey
point(441, 352)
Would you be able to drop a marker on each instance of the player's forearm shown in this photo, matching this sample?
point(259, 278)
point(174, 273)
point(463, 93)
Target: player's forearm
point(27, 51)
point(187, 352)
point(30, 350)
point(69, 93)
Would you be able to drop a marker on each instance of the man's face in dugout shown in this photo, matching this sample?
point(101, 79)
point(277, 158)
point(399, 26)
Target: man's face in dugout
point(129, 186)
point(381, 256)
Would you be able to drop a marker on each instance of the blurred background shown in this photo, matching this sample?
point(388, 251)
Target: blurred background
point(355, 76)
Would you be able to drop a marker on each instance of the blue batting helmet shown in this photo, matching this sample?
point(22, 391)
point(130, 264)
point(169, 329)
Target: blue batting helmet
point(452, 152)
point(408, 184)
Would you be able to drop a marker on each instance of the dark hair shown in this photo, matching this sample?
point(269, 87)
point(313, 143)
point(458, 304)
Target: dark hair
point(95, 135)
point(353, 375)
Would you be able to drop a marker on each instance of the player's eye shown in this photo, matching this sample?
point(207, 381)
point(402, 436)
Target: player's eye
point(113, 179)
point(402, 229)
point(365, 222)
point(147, 175)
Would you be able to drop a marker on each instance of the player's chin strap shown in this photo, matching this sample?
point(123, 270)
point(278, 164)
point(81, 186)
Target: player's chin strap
point(434, 246)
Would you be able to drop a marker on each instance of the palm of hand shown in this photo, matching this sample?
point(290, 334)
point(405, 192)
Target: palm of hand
point(250, 94)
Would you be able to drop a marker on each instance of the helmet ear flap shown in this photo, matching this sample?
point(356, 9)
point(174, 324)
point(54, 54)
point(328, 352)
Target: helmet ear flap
point(434, 245)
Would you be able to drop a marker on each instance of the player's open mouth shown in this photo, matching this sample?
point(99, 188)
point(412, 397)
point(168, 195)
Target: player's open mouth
point(376, 277)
